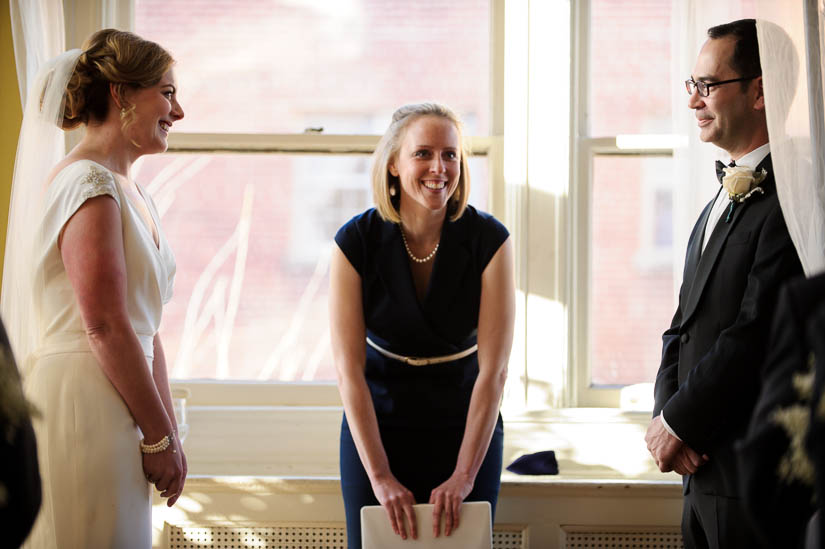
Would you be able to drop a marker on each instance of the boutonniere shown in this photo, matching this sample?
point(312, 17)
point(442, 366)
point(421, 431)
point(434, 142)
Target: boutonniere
point(740, 183)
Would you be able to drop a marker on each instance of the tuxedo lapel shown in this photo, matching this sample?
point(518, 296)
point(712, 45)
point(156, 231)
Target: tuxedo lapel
point(716, 243)
point(694, 252)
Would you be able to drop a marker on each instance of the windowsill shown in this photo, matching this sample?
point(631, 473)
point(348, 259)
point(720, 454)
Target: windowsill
point(511, 485)
point(592, 445)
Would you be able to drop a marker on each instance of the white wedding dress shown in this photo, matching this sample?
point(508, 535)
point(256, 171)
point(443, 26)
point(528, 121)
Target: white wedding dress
point(95, 494)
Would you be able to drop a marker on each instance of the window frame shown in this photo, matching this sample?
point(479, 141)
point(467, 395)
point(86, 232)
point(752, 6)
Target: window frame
point(570, 227)
point(585, 149)
point(86, 16)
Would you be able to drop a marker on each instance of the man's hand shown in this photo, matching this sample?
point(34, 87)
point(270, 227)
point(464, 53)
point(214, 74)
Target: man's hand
point(670, 453)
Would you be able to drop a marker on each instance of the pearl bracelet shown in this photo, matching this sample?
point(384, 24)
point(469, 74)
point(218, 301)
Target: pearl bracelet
point(159, 446)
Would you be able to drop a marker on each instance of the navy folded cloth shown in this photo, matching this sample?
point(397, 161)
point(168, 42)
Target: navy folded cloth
point(540, 463)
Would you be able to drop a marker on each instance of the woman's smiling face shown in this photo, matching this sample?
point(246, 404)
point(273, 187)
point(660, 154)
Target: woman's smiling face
point(428, 163)
point(156, 109)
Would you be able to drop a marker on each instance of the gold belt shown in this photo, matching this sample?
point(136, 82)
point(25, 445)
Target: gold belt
point(422, 361)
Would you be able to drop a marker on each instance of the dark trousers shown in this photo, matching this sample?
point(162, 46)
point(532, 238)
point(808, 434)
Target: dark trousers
point(715, 522)
point(421, 460)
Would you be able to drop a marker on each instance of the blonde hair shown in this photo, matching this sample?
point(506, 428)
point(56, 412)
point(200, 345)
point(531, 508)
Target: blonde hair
point(111, 57)
point(388, 148)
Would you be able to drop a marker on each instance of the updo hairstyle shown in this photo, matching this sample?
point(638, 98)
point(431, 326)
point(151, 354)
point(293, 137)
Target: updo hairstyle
point(111, 57)
point(387, 150)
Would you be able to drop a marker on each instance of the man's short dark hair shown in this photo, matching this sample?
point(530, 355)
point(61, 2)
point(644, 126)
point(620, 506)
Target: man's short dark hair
point(745, 59)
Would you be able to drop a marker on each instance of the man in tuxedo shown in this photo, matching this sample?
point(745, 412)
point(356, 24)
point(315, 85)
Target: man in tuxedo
point(738, 255)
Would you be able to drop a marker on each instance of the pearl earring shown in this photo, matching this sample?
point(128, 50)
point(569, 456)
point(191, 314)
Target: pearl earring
point(393, 190)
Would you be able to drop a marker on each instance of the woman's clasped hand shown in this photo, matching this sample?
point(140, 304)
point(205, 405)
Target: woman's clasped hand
point(167, 471)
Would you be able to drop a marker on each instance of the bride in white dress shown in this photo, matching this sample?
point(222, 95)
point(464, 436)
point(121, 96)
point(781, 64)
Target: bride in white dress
point(87, 273)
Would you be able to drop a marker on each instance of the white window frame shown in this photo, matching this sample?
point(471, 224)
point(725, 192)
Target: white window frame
point(85, 16)
point(228, 418)
point(585, 149)
point(567, 261)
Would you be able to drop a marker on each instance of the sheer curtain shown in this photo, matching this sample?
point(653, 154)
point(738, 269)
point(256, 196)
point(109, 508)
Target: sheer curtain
point(38, 33)
point(37, 29)
point(790, 46)
point(694, 175)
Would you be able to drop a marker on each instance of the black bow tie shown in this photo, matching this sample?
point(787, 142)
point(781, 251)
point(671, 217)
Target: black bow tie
point(720, 169)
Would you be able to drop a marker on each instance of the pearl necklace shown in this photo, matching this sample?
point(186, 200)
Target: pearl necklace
point(418, 259)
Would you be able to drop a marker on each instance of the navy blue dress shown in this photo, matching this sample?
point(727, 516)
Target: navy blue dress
point(421, 410)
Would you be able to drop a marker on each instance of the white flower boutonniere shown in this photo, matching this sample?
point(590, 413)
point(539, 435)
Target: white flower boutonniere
point(740, 183)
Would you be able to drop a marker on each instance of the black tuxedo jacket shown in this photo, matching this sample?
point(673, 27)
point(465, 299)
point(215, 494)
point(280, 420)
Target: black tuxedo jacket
point(780, 506)
point(708, 379)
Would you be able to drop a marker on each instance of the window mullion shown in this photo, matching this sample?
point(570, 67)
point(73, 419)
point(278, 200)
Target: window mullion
point(292, 143)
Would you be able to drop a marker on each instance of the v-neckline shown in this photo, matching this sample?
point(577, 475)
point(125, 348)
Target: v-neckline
point(410, 276)
point(143, 223)
point(151, 216)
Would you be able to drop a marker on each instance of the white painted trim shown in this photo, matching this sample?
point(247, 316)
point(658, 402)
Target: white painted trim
point(258, 393)
point(292, 143)
point(511, 485)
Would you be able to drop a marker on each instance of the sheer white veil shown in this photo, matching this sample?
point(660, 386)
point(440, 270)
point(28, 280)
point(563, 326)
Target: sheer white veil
point(40, 147)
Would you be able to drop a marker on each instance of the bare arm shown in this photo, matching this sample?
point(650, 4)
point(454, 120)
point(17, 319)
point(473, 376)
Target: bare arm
point(495, 338)
point(91, 247)
point(348, 334)
point(161, 377)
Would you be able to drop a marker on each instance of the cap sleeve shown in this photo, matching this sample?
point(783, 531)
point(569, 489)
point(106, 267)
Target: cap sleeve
point(351, 242)
point(493, 235)
point(71, 188)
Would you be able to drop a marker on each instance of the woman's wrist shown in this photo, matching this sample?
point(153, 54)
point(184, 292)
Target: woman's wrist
point(381, 476)
point(161, 445)
point(154, 433)
point(464, 476)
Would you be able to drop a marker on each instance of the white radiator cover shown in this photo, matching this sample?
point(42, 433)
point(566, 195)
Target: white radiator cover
point(621, 537)
point(291, 536)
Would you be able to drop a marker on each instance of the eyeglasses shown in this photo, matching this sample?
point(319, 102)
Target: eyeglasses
point(692, 85)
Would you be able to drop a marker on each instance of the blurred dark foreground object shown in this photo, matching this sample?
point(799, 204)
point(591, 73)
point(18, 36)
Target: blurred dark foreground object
point(782, 457)
point(19, 476)
point(540, 463)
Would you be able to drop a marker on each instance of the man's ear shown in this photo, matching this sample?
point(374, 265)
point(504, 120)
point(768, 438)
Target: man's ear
point(759, 103)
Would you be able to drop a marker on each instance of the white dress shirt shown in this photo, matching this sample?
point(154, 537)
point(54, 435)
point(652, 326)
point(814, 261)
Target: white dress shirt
point(722, 203)
point(720, 206)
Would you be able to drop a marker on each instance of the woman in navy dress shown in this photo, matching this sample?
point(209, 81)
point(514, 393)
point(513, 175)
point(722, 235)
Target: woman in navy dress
point(422, 307)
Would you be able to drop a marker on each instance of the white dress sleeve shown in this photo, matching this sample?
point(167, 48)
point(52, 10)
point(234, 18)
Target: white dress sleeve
point(70, 189)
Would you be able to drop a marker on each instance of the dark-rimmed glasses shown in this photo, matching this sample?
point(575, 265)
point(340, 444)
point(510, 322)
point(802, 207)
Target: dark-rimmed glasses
point(704, 87)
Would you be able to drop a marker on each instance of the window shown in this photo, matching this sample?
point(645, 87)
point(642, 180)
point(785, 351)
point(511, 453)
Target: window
point(631, 280)
point(625, 282)
point(568, 110)
point(284, 101)
point(632, 208)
